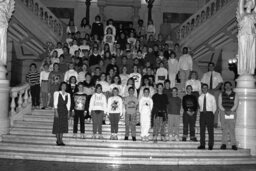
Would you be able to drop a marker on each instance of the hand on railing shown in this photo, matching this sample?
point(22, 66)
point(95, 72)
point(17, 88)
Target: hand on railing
point(206, 12)
point(45, 15)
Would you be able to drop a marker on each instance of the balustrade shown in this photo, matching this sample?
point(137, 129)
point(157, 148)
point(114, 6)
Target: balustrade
point(20, 101)
point(45, 15)
point(202, 15)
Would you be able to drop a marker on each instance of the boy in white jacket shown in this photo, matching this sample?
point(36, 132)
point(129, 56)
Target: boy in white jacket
point(145, 108)
point(115, 110)
point(97, 109)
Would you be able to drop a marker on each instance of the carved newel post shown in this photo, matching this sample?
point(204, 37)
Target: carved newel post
point(150, 6)
point(88, 4)
point(6, 10)
point(246, 112)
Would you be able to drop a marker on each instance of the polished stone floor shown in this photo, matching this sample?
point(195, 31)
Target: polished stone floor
point(27, 165)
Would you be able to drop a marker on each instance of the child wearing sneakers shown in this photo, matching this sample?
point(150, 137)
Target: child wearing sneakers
point(97, 109)
point(145, 108)
point(131, 108)
point(173, 110)
point(115, 111)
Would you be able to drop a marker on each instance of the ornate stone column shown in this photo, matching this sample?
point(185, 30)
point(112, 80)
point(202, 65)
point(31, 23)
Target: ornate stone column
point(150, 6)
point(136, 16)
point(87, 15)
point(6, 10)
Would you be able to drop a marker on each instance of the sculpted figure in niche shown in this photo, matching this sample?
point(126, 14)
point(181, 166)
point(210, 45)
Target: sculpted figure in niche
point(6, 10)
point(246, 17)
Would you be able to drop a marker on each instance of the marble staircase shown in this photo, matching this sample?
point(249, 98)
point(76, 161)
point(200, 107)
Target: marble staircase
point(31, 138)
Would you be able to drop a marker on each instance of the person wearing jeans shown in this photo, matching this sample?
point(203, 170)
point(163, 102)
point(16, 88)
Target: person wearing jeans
point(115, 110)
point(80, 106)
point(160, 102)
point(190, 105)
point(97, 109)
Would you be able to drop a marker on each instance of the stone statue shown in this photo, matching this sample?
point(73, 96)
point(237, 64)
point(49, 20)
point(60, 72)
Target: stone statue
point(246, 17)
point(6, 10)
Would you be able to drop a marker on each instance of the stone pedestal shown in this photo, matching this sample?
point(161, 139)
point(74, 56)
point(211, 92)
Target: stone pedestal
point(246, 113)
point(4, 107)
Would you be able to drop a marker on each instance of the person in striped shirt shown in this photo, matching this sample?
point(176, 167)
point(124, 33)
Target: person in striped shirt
point(33, 78)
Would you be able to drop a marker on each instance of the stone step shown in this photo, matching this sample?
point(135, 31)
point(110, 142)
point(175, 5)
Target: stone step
point(101, 142)
point(106, 135)
point(13, 154)
point(122, 152)
point(88, 127)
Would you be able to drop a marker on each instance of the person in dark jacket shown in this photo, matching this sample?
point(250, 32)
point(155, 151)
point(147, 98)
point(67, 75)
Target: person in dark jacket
point(190, 106)
point(159, 112)
point(97, 28)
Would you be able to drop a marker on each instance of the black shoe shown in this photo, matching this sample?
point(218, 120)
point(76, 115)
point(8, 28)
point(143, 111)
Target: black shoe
point(103, 123)
point(134, 138)
point(62, 144)
point(43, 108)
point(184, 139)
point(201, 147)
point(193, 139)
point(210, 148)
point(215, 125)
point(125, 138)
point(223, 147)
point(234, 147)
point(138, 124)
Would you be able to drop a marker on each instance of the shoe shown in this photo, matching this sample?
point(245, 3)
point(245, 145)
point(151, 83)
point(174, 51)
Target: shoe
point(82, 136)
point(223, 147)
point(210, 147)
point(176, 138)
point(155, 139)
point(103, 123)
point(184, 139)
point(143, 139)
point(111, 137)
point(234, 147)
point(163, 138)
point(138, 124)
point(62, 144)
point(193, 139)
point(115, 137)
point(125, 138)
point(43, 108)
point(100, 137)
point(75, 135)
point(94, 136)
point(201, 147)
point(134, 138)
point(146, 139)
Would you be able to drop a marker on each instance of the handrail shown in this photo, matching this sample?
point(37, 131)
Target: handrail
point(20, 101)
point(202, 15)
point(45, 15)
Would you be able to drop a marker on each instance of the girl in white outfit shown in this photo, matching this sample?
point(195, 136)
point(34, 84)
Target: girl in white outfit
point(145, 108)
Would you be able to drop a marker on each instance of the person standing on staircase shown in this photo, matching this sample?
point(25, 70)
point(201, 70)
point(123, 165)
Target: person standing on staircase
point(62, 103)
point(214, 81)
point(97, 109)
point(228, 103)
point(207, 104)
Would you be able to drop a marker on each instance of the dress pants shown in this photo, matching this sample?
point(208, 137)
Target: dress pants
point(207, 121)
point(189, 121)
point(79, 114)
point(97, 118)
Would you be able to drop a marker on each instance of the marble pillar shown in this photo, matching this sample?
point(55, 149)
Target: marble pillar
point(102, 13)
point(87, 15)
point(136, 16)
point(246, 113)
point(6, 11)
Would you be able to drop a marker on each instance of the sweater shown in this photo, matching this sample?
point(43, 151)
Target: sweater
point(189, 103)
point(98, 102)
point(131, 104)
point(174, 105)
point(115, 105)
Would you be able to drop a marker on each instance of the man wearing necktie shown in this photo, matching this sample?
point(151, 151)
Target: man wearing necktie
point(214, 81)
point(207, 104)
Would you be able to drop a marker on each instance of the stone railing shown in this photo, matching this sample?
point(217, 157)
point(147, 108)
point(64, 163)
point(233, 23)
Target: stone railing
point(45, 15)
point(20, 102)
point(202, 15)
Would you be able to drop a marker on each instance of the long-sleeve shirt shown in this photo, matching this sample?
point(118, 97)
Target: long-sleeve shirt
point(137, 79)
point(98, 101)
point(145, 104)
point(196, 85)
point(33, 78)
point(115, 105)
point(80, 101)
point(64, 96)
point(69, 74)
point(111, 27)
point(44, 75)
point(216, 79)
point(174, 105)
point(173, 66)
point(210, 103)
point(186, 62)
point(161, 75)
point(189, 103)
point(131, 104)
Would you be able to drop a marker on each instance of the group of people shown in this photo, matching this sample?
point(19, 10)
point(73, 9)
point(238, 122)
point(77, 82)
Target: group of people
point(127, 73)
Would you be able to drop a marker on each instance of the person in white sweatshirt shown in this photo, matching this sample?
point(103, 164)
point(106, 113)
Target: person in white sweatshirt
point(115, 111)
point(71, 72)
point(145, 108)
point(97, 109)
point(161, 74)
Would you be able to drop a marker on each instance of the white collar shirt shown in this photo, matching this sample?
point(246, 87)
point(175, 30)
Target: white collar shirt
point(211, 105)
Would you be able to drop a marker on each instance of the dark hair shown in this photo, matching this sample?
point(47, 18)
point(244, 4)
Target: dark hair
point(227, 82)
point(97, 17)
point(80, 83)
point(146, 89)
point(69, 23)
point(115, 88)
point(113, 80)
point(173, 53)
point(82, 22)
point(132, 81)
point(175, 88)
point(211, 63)
point(33, 64)
point(204, 85)
point(97, 87)
point(62, 83)
point(131, 88)
point(167, 81)
point(71, 78)
point(189, 86)
point(193, 72)
point(159, 84)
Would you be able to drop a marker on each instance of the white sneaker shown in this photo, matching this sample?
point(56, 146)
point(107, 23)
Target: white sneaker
point(75, 135)
point(177, 138)
point(82, 136)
